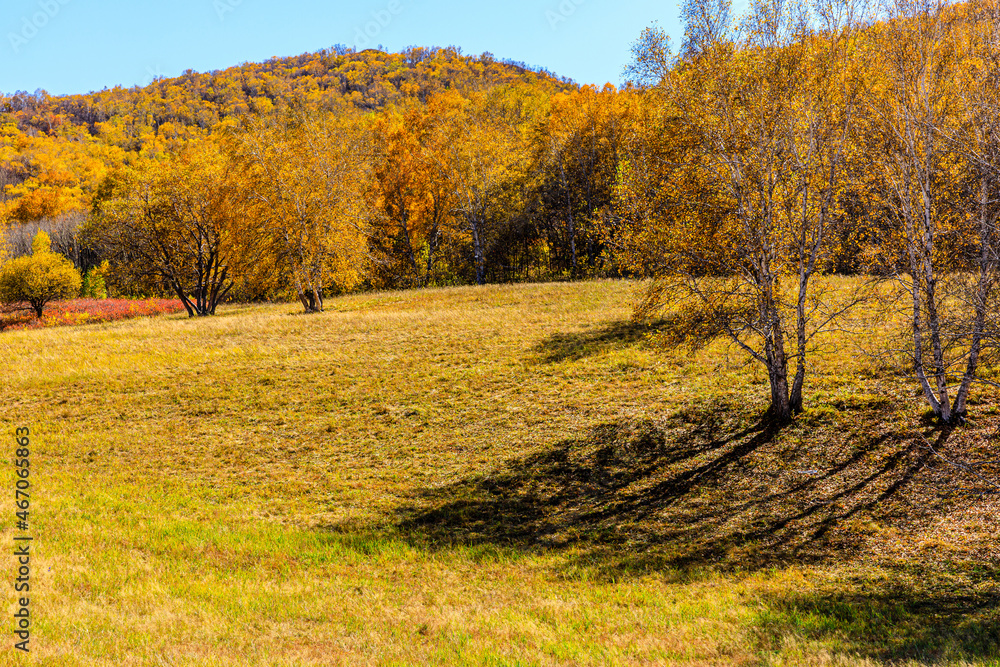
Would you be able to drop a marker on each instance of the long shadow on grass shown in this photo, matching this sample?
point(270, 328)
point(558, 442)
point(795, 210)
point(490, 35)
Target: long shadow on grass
point(699, 488)
point(910, 616)
point(578, 345)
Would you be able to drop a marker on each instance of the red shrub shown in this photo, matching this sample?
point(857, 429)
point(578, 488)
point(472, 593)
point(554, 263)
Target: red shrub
point(87, 311)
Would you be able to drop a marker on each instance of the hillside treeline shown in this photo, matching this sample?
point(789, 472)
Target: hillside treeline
point(460, 170)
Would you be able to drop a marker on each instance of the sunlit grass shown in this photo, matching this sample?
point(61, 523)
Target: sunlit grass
point(492, 476)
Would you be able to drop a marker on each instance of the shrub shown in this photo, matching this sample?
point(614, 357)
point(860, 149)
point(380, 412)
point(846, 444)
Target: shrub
point(89, 311)
point(39, 278)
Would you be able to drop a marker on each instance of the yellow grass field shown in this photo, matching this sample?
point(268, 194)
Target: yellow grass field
point(506, 475)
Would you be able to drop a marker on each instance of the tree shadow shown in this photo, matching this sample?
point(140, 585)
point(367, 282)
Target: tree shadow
point(715, 488)
point(581, 344)
point(700, 488)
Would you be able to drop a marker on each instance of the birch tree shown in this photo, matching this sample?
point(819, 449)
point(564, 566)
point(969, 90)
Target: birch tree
point(939, 170)
point(305, 174)
point(764, 110)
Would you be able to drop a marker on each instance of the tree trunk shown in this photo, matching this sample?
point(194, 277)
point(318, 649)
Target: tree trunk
point(432, 244)
point(179, 291)
point(774, 347)
point(800, 341)
point(477, 249)
point(933, 317)
point(306, 297)
point(411, 255)
point(781, 403)
point(981, 297)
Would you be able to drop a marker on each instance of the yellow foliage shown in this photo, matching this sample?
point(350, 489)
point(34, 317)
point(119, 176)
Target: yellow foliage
point(39, 278)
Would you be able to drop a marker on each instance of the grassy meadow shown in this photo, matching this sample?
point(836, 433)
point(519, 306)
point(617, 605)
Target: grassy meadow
point(505, 475)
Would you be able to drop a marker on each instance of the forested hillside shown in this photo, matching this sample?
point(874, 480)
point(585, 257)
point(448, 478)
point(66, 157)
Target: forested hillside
point(369, 80)
point(404, 108)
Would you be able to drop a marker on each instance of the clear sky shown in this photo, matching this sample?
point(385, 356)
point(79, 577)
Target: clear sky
point(76, 46)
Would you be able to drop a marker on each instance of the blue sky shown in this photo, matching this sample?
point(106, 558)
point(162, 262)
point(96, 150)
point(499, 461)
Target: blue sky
point(75, 46)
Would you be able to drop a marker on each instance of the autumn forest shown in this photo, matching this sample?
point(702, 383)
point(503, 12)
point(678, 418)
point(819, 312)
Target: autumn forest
point(765, 151)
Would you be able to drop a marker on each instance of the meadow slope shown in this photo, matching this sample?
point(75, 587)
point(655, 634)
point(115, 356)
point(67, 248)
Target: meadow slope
point(504, 475)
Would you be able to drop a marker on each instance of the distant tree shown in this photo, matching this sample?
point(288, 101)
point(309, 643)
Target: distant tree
point(578, 148)
point(41, 243)
point(487, 158)
point(94, 286)
point(411, 193)
point(303, 174)
point(176, 219)
point(39, 278)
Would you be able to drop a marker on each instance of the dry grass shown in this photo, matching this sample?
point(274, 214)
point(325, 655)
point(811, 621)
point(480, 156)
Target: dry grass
point(489, 476)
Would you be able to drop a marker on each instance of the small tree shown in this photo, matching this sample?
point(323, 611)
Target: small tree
point(94, 286)
point(39, 278)
point(304, 174)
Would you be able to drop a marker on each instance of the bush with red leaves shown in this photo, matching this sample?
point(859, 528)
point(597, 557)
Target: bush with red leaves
point(87, 311)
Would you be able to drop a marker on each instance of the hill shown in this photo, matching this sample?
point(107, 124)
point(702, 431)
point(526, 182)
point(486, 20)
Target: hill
point(368, 79)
